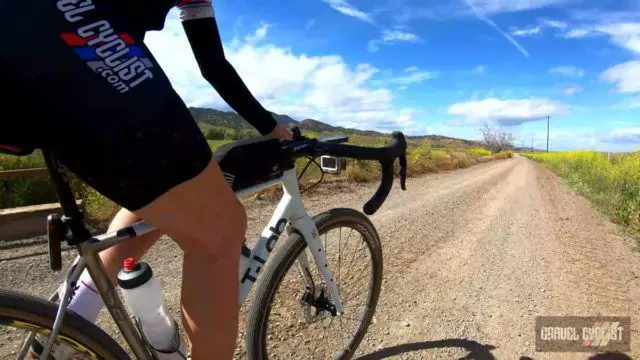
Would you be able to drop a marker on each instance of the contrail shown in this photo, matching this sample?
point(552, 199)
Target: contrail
point(493, 25)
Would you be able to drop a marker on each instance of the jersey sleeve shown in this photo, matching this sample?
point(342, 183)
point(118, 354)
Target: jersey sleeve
point(195, 9)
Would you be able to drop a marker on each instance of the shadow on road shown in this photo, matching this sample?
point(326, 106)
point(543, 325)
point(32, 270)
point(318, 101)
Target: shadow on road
point(610, 356)
point(476, 350)
point(603, 356)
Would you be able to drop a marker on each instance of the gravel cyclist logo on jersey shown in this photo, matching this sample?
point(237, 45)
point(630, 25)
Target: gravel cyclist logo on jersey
point(113, 55)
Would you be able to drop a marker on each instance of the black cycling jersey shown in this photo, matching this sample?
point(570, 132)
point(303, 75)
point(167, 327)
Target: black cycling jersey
point(78, 80)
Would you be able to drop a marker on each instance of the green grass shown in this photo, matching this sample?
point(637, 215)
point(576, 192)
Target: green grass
point(213, 144)
point(22, 190)
point(612, 184)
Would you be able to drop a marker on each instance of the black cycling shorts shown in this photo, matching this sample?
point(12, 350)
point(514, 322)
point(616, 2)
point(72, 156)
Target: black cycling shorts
point(78, 81)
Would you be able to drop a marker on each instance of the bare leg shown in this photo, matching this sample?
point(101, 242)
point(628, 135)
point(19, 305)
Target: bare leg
point(135, 248)
point(206, 219)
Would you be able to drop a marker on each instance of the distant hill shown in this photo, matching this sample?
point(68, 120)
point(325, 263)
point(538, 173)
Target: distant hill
point(232, 120)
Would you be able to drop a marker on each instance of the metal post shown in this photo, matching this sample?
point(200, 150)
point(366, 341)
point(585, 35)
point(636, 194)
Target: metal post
point(548, 133)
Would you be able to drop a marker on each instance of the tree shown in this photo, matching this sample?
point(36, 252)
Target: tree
point(216, 134)
point(496, 140)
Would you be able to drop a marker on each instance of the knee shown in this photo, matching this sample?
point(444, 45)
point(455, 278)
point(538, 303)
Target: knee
point(221, 236)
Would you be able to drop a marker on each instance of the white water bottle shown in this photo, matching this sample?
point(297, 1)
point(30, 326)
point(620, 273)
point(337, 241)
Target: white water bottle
point(143, 295)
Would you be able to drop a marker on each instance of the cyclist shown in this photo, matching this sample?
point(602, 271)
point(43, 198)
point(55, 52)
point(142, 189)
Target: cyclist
point(89, 90)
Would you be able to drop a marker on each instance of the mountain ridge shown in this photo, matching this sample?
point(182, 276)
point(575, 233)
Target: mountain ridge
point(231, 119)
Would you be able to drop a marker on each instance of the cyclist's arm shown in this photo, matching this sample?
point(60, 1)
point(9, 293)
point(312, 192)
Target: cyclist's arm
point(201, 29)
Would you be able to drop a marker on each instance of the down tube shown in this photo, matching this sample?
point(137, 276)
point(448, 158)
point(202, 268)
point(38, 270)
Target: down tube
point(264, 246)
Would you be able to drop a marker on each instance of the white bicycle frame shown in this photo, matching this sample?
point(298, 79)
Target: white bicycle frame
point(288, 216)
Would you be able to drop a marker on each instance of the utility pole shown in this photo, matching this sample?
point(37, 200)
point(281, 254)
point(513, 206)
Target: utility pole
point(548, 133)
point(531, 144)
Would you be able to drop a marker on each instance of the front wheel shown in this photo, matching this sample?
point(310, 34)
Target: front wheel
point(21, 315)
point(292, 319)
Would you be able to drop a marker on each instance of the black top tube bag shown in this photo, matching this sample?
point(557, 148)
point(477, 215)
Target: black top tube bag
point(250, 162)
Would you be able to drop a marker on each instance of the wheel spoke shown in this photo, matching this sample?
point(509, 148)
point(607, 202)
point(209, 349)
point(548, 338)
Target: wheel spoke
point(339, 248)
point(356, 255)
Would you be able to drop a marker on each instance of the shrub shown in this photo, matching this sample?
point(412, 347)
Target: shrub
point(461, 159)
point(613, 184)
point(478, 152)
point(503, 155)
point(362, 171)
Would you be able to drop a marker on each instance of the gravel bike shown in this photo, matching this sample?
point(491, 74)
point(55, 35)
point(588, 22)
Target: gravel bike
point(311, 308)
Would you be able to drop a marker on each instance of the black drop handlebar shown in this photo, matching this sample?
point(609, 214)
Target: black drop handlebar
point(302, 146)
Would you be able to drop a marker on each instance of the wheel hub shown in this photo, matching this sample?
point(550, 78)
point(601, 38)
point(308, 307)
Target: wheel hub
point(316, 304)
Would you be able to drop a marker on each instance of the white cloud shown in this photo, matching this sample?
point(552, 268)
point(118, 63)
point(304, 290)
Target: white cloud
point(401, 88)
point(390, 37)
point(569, 71)
point(626, 35)
point(506, 112)
point(373, 45)
point(556, 24)
point(345, 8)
point(625, 76)
point(259, 34)
point(621, 29)
point(624, 136)
point(311, 23)
point(527, 32)
point(572, 89)
point(623, 34)
point(414, 75)
point(542, 24)
point(577, 33)
point(480, 13)
point(502, 6)
point(480, 69)
point(322, 87)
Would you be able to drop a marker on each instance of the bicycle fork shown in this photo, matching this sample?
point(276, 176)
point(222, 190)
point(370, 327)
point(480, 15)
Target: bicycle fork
point(307, 228)
point(302, 222)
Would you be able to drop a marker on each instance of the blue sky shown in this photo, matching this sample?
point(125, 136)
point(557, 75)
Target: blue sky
point(432, 67)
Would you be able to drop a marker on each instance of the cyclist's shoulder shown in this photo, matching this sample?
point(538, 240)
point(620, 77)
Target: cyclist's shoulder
point(152, 14)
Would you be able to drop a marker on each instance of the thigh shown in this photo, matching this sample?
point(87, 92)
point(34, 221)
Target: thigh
point(112, 116)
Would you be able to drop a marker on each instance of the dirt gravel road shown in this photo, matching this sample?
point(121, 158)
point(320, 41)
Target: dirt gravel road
point(471, 257)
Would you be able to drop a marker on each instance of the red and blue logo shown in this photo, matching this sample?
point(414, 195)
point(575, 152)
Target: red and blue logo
point(111, 54)
point(86, 52)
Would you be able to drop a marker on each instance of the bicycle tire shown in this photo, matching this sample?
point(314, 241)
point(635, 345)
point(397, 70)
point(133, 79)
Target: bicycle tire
point(283, 260)
point(31, 313)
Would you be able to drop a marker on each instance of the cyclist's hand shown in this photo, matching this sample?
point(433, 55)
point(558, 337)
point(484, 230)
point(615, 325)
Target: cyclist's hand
point(280, 132)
